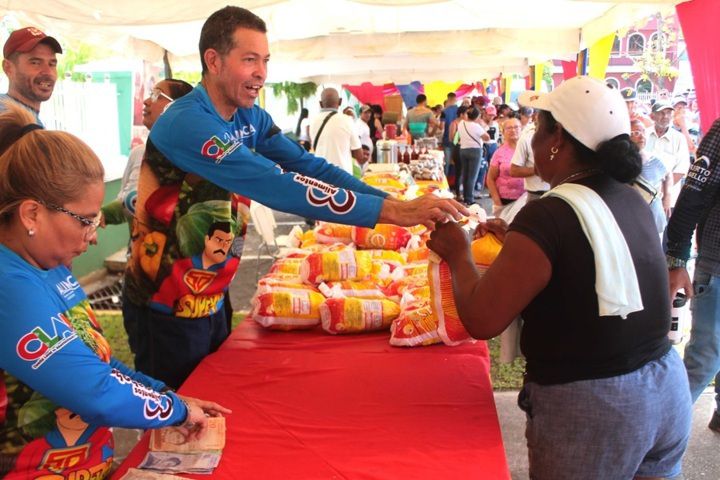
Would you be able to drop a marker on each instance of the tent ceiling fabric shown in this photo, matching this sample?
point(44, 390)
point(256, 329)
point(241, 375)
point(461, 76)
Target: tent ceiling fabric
point(344, 41)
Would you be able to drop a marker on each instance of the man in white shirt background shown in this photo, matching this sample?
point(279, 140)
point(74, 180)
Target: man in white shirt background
point(669, 145)
point(333, 135)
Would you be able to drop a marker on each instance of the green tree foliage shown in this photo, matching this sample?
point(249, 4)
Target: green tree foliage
point(655, 63)
point(295, 93)
point(78, 53)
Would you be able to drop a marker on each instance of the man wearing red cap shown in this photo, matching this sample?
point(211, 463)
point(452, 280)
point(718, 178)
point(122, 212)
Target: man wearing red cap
point(31, 67)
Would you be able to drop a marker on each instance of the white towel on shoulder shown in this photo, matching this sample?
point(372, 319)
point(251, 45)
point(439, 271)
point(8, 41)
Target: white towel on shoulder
point(616, 281)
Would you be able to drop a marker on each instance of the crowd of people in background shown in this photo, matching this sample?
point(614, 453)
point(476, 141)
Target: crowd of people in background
point(489, 152)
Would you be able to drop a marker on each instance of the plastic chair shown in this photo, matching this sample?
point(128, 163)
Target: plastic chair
point(263, 220)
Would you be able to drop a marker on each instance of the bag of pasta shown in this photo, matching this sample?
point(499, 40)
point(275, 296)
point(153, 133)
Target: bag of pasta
point(383, 236)
point(351, 288)
point(271, 283)
point(354, 315)
point(451, 330)
point(288, 309)
point(329, 233)
point(335, 266)
point(288, 266)
point(416, 325)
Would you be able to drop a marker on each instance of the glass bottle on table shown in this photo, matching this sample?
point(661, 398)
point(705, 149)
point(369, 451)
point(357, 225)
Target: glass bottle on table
point(415, 152)
point(406, 154)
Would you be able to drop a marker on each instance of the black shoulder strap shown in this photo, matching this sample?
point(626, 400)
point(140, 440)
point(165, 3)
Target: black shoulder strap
point(317, 137)
point(479, 143)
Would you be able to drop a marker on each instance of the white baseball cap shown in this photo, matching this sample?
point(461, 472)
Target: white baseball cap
point(587, 109)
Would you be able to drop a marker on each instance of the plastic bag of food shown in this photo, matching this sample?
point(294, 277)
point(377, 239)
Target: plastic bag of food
point(329, 233)
point(416, 325)
point(288, 310)
point(270, 284)
point(418, 255)
point(353, 315)
point(308, 238)
point(383, 236)
point(289, 266)
point(380, 180)
point(417, 268)
point(350, 288)
point(390, 257)
point(335, 266)
point(442, 301)
point(398, 286)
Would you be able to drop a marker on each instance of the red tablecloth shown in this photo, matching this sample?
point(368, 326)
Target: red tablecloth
point(307, 405)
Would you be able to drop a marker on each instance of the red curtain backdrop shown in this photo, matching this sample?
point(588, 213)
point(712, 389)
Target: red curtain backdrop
point(698, 19)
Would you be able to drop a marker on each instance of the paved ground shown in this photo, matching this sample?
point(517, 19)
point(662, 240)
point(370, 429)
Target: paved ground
point(701, 460)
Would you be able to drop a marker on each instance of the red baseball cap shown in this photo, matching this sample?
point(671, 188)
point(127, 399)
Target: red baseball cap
point(25, 39)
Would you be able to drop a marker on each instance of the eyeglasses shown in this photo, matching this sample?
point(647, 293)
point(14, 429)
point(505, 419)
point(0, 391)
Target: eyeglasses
point(636, 133)
point(157, 93)
point(91, 224)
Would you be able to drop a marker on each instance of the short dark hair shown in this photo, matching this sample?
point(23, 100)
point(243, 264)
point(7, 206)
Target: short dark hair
point(473, 113)
point(178, 88)
point(527, 111)
point(222, 226)
point(217, 31)
point(451, 95)
point(421, 98)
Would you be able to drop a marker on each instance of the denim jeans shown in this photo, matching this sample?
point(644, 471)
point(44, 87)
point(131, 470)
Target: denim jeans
point(169, 348)
point(470, 159)
point(448, 151)
point(636, 424)
point(702, 354)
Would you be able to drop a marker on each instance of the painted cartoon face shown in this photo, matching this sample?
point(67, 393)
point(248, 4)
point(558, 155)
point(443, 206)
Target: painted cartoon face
point(217, 246)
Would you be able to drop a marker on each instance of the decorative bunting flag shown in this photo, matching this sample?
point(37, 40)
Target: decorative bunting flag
point(600, 56)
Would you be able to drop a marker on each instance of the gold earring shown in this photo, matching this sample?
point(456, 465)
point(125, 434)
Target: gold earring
point(553, 151)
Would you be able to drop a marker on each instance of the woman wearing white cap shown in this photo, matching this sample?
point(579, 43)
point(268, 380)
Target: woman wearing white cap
point(605, 395)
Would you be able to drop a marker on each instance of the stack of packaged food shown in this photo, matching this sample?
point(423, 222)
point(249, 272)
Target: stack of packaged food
point(353, 279)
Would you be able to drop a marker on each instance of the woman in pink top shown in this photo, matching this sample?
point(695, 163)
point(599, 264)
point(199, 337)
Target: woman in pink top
point(503, 188)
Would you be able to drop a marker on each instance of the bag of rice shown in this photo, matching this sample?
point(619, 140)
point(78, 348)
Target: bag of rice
point(289, 266)
point(350, 288)
point(353, 315)
point(288, 310)
point(383, 236)
point(329, 233)
point(416, 325)
point(335, 266)
point(450, 328)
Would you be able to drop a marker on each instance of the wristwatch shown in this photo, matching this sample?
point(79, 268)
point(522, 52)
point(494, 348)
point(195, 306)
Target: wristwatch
point(674, 262)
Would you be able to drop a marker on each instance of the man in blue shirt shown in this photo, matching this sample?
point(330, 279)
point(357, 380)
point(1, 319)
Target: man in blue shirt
point(208, 149)
point(31, 67)
point(448, 115)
